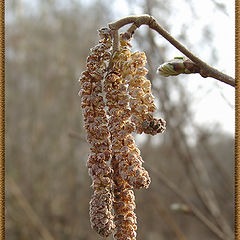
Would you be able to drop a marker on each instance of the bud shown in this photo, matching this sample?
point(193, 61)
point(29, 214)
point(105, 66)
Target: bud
point(177, 66)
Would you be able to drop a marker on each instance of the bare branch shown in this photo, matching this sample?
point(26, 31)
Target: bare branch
point(137, 21)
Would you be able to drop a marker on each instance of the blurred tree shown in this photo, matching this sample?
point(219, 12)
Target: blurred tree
point(43, 64)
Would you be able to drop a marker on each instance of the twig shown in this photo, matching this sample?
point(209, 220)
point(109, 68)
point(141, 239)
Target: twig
point(168, 218)
point(115, 48)
point(76, 135)
point(115, 41)
point(137, 21)
point(31, 214)
point(195, 211)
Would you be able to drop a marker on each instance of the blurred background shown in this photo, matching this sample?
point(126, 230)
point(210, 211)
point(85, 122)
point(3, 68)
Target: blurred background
point(191, 164)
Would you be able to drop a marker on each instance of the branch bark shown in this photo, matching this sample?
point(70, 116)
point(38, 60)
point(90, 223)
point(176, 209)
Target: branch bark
point(137, 21)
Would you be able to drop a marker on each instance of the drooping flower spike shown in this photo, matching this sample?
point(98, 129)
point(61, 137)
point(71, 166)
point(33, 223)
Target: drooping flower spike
point(116, 102)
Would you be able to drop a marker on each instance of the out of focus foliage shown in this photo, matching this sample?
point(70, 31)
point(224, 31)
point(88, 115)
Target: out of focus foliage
point(48, 187)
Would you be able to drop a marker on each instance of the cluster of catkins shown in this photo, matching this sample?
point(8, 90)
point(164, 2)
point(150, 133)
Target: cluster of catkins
point(116, 101)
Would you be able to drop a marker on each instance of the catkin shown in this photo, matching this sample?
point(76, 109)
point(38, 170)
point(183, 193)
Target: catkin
point(116, 101)
point(96, 125)
point(142, 101)
point(120, 129)
point(126, 161)
point(123, 145)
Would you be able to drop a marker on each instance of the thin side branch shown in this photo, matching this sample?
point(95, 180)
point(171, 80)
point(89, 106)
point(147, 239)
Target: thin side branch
point(137, 21)
point(115, 40)
point(194, 210)
point(170, 221)
point(29, 211)
point(115, 37)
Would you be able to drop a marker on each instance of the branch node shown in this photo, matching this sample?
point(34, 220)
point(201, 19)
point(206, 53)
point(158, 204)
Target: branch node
point(204, 73)
point(152, 22)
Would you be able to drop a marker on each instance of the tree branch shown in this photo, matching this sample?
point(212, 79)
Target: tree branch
point(137, 21)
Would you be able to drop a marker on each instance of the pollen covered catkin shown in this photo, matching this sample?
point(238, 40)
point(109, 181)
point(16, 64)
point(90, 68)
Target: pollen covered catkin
point(124, 205)
point(116, 101)
point(126, 160)
point(96, 125)
point(123, 145)
point(141, 101)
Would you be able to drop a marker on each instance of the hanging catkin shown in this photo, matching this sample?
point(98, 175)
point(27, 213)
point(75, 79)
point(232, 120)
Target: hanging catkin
point(96, 125)
point(116, 102)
